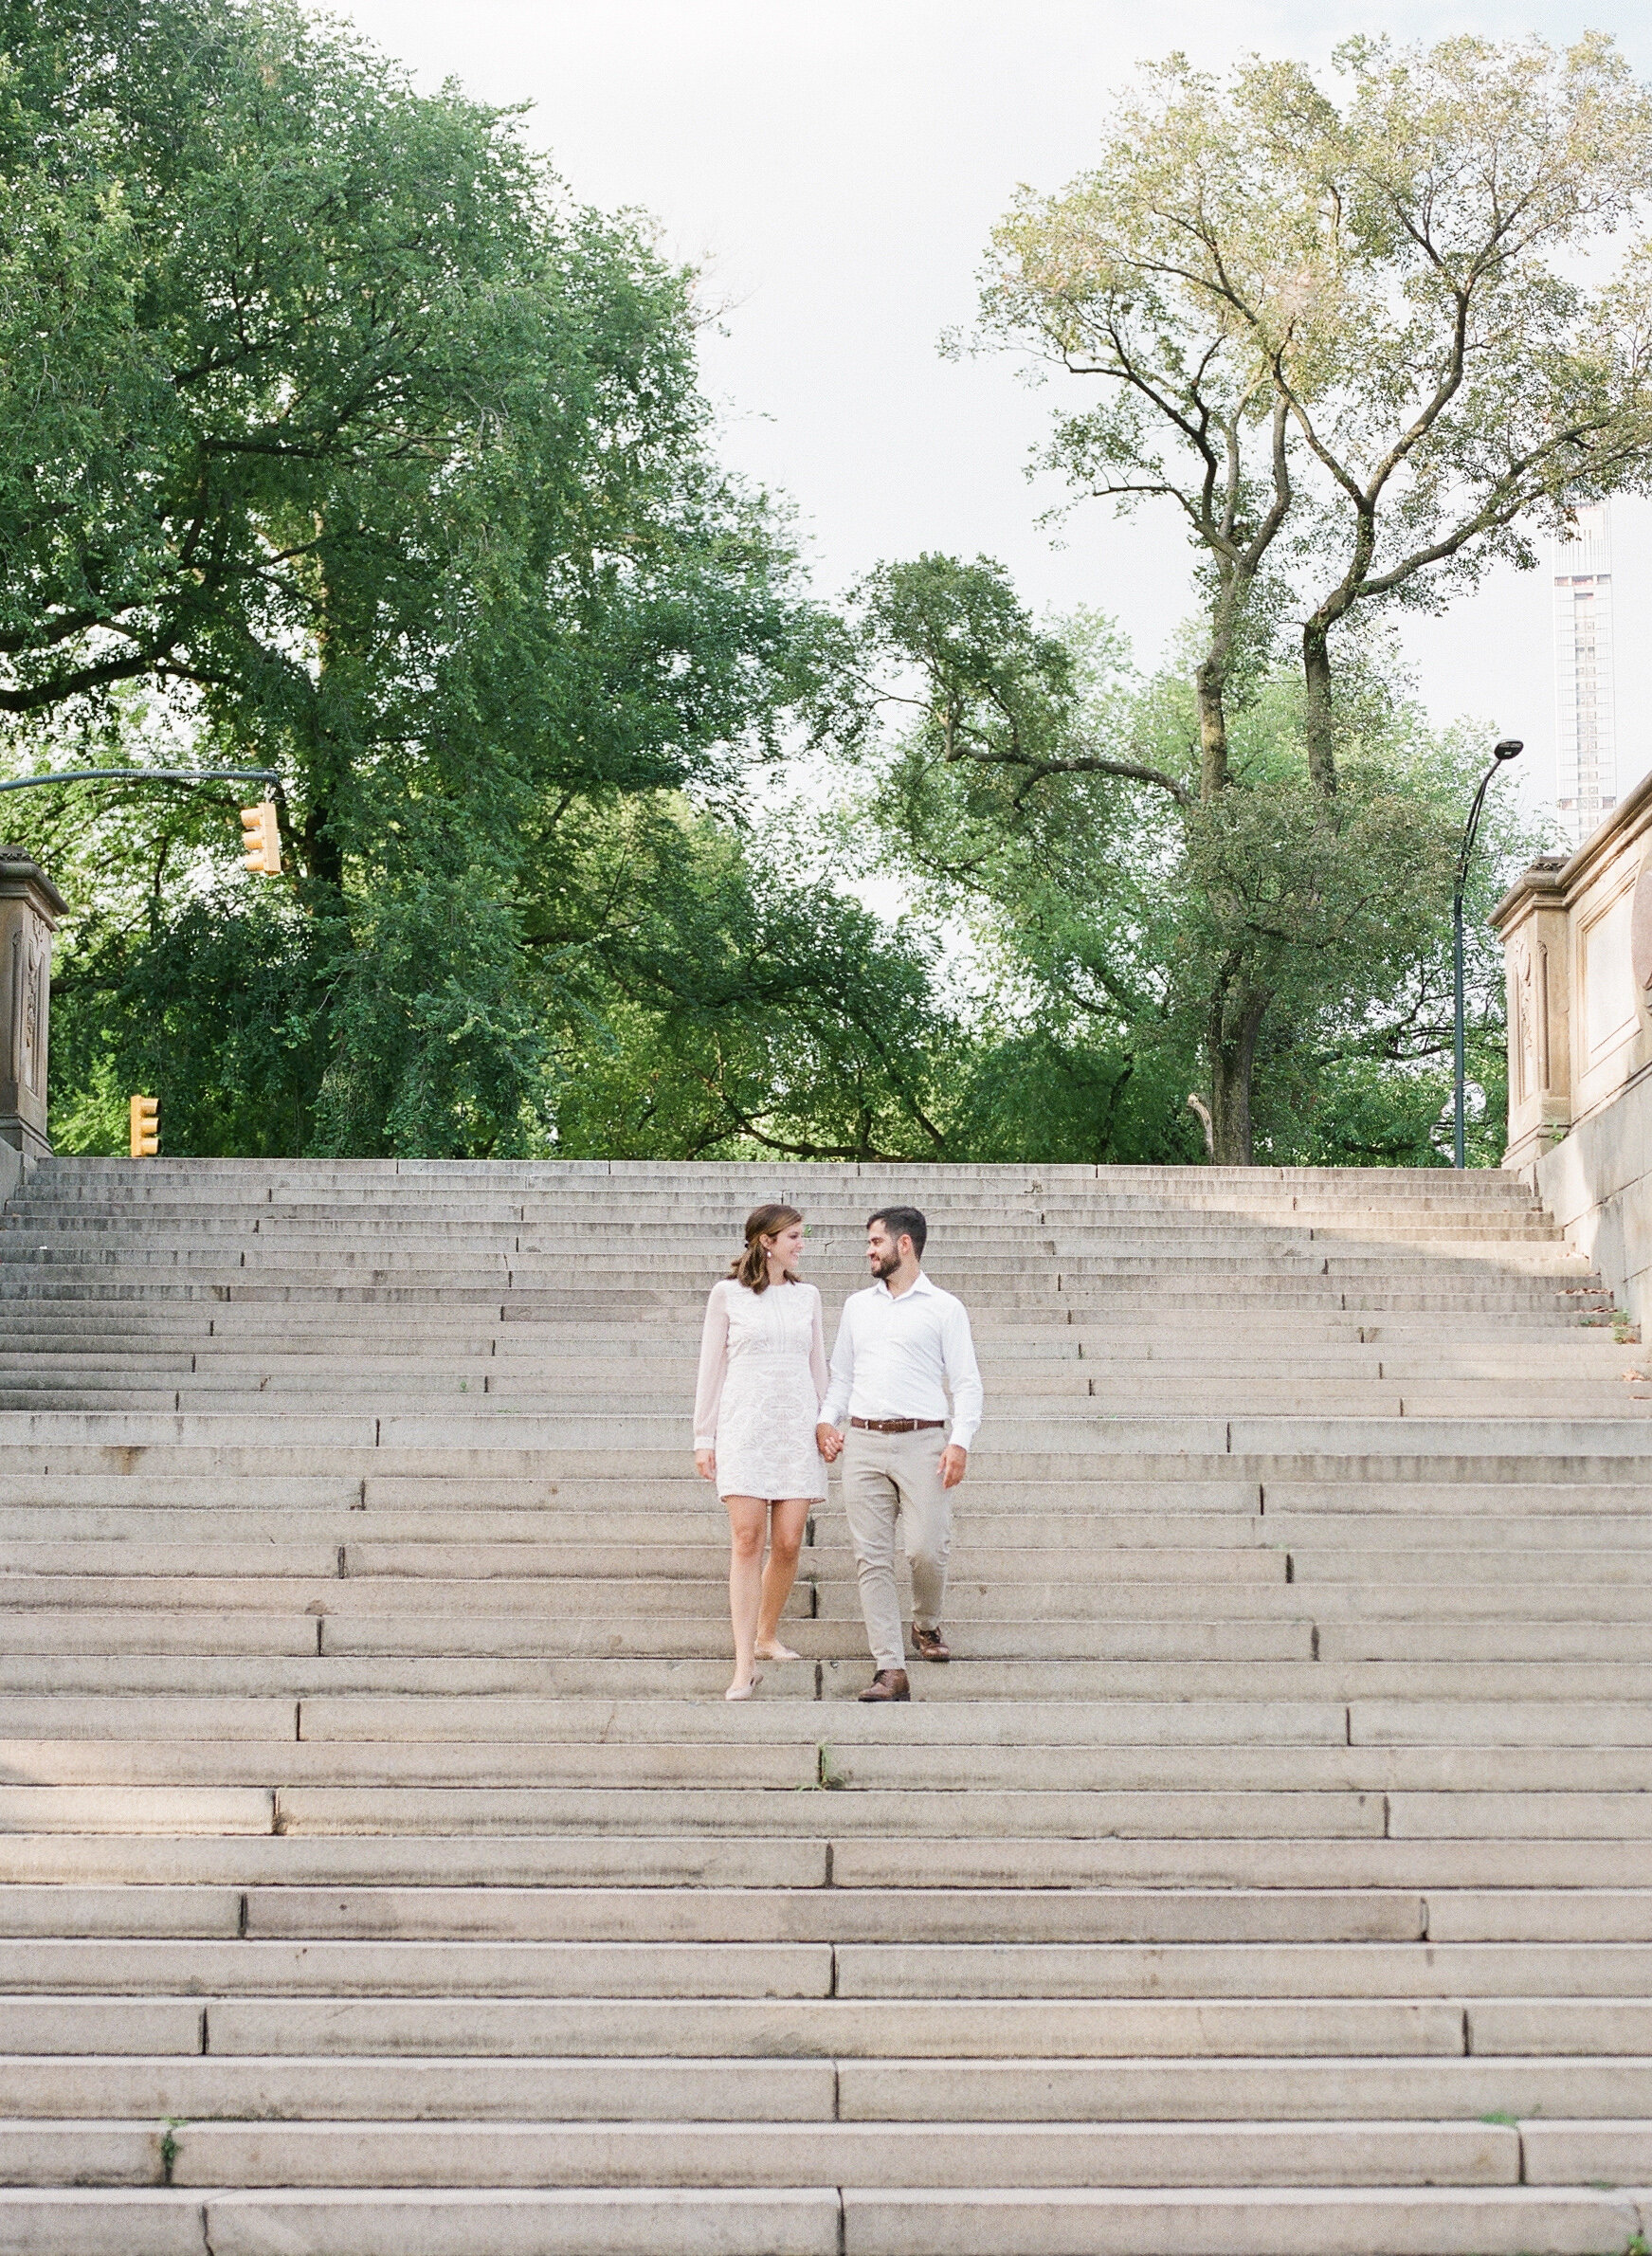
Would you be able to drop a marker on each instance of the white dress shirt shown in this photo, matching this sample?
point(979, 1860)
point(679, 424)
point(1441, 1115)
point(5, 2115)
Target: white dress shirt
point(897, 1355)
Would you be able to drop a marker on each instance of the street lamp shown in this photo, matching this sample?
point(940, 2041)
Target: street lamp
point(1509, 749)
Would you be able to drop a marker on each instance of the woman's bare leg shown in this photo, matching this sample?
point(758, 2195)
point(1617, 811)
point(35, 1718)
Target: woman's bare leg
point(748, 1524)
point(785, 1540)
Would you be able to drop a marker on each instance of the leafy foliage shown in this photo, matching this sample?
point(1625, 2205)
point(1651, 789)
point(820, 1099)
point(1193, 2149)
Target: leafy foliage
point(1349, 343)
point(335, 436)
point(1116, 911)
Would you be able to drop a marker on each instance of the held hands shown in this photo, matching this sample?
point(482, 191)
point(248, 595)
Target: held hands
point(705, 1463)
point(953, 1461)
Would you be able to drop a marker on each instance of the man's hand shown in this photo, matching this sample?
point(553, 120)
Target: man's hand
point(705, 1463)
point(955, 1463)
point(829, 1441)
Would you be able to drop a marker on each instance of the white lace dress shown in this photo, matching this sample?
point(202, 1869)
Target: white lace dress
point(762, 1381)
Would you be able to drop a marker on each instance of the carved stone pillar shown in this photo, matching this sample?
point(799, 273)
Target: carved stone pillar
point(30, 906)
point(1536, 930)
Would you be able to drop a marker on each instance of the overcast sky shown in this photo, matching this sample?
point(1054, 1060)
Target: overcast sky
point(837, 167)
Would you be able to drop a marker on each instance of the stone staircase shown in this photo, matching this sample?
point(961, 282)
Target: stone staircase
point(382, 1874)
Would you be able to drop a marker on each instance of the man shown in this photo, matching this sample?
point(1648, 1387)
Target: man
point(901, 1344)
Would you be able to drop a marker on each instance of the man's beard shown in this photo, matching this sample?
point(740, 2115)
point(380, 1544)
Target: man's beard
point(885, 1264)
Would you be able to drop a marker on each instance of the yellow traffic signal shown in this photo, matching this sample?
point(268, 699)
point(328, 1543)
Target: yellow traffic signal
point(262, 838)
point(145, 1127)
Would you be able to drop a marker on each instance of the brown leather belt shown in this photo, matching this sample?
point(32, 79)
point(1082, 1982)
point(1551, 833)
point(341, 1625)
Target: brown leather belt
point(898, 1425)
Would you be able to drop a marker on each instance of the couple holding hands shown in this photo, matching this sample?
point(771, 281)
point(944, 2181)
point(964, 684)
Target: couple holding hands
point(770, 1416)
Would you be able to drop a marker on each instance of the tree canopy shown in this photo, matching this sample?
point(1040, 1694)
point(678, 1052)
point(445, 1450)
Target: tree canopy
point(1350, 344)
point(335, 434)
point(1119, 913)
point(1348, 341)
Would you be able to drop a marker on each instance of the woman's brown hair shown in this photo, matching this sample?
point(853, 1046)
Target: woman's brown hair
point(753, 1267)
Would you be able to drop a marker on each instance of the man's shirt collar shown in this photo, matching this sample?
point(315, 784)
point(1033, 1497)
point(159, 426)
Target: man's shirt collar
point(920, 1283)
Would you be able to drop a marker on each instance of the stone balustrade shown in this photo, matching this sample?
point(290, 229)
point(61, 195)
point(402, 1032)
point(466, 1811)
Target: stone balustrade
point(30, 906)
point(1577, 946)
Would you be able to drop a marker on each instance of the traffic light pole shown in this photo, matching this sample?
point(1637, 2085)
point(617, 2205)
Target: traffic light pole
point(30, 783)
point(261, 823)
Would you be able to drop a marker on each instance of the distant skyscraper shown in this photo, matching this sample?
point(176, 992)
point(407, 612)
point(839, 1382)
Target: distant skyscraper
point(1586, 735)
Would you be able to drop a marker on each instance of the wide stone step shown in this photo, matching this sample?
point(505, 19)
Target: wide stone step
point(583, 1719)
point(1528, 1448)
point(848, 1860)
point(613, 1633)
point(781, 2154)
point(1389, 1597)
point(757, 1914)
point(443, 2087)
point(1208, 1814)
point(1212, 1814)
point(966, 2028)
point(1001, 1280)
point(392, 1574)
point(687, 1638)
point(801, 1764)
point(658, 1970)
point(1609, 1398)
point(1231, 1916)
point(1038, 1364)
point(651, 1514)
point(1369, 2221)
point(1076, 1680)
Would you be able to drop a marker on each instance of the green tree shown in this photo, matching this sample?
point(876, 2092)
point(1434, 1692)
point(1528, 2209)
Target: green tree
point(689, 1003)
point(1350, 344)
point(335, 435)
point(1118, 912)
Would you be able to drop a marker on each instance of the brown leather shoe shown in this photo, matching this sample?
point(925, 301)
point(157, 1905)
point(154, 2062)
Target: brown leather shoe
point(889, 1683)
point(931, 1644)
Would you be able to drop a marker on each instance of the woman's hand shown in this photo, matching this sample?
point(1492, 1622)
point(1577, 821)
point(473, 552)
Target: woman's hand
point(829, 1441)
point(705, 1463)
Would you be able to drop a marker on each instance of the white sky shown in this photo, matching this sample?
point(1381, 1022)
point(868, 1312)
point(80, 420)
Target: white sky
point(838, 168)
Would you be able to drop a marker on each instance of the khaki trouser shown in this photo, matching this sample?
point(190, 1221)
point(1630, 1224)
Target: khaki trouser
point(886, 1476)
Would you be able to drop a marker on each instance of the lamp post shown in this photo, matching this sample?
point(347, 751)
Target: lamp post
point(1509, 749)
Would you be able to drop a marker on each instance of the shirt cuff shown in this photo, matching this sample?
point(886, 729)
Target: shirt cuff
point(963, 1433)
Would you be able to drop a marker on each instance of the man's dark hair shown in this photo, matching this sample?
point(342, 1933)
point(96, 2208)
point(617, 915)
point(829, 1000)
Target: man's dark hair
point(903, 1222)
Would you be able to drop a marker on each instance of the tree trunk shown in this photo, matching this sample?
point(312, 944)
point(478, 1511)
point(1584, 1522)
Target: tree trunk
point(1317, 723)
point(1209, 682)
point(1236, 1016)
point(323, 859)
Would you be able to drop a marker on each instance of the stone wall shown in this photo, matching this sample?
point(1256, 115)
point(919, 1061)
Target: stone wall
point(1577, 948)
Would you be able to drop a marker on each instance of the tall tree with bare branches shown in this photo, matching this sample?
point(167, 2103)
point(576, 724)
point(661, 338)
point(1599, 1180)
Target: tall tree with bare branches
point(1351, 341)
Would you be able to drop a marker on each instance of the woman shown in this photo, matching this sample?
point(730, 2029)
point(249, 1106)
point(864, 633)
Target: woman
point(762, 1379)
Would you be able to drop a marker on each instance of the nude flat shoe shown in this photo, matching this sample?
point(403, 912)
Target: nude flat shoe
point(777, 1652)
point(743, 1691)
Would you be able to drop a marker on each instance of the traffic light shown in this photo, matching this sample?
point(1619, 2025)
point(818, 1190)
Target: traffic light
point(145, 1127)
point(262, 838)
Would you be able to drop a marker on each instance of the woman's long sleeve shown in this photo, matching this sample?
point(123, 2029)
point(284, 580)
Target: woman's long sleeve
point(817, 1355)
point(714, 1369)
